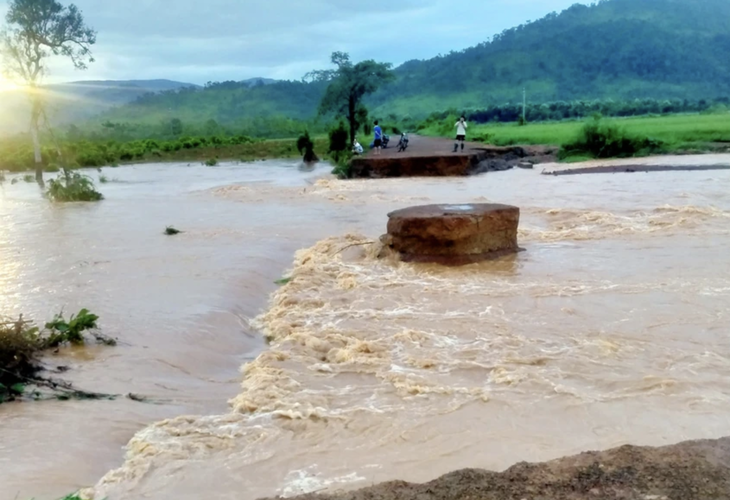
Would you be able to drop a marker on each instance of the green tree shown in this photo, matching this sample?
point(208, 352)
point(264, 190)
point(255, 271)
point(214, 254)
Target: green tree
point(176, 127)
point(348, 84)
point(35, 31)
point(211, 127)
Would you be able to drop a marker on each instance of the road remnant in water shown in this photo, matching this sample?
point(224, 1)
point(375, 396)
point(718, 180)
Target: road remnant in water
point(453, 235)
point(434, 157)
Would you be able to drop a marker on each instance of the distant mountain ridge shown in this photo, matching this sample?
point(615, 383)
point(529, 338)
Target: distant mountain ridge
point(621, 49)
point(80, 100)
point(612, 49)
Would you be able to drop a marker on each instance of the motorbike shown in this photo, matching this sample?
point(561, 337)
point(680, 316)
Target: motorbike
point(403, 143)
point(385, 141)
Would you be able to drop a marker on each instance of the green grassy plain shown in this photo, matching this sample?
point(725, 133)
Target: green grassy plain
point(18, 156)
point(679, 132)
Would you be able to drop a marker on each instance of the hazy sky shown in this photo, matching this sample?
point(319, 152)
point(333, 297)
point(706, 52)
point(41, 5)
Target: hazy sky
point(207, 40)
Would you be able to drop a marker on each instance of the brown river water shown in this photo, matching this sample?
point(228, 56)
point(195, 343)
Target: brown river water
point(610, 328)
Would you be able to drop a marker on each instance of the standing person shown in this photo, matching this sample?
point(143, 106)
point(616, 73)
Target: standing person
point(378, 137)
point(461, 126)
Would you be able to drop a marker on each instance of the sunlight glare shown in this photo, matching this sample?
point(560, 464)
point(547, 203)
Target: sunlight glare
point(6, 84)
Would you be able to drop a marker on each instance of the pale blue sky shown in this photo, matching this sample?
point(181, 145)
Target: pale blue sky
point(198, 41)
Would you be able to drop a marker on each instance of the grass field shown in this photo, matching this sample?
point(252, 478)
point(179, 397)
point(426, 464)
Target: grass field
point(690, 131)
point(18, 156)
point(668, 134)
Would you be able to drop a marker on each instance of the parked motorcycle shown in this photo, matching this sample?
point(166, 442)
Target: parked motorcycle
point(403, 143)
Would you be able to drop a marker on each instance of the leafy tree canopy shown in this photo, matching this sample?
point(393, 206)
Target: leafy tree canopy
point(348, 85)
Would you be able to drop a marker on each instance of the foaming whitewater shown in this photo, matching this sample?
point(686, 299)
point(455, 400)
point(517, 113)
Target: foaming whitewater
point(609, 329)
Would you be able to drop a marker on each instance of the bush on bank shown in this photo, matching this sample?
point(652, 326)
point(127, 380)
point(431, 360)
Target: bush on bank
point(598, 139)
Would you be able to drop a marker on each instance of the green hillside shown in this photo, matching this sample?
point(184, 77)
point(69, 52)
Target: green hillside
point(614, 49)
point(620, 49)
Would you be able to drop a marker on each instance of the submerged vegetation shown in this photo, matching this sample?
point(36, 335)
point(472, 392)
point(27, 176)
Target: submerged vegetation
point(339, 150)
point(305, 146)
point(171, 231)
point(72, 186)
point(21, 346)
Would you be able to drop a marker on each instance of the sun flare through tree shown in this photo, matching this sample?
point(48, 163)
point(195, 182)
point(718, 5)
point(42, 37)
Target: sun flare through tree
point(34, 32)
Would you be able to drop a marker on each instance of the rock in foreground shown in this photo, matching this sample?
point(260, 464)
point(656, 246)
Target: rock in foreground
point(694, 470)
point(453, 234)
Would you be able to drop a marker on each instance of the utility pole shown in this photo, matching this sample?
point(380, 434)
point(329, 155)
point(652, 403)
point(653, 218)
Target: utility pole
point(524, 105)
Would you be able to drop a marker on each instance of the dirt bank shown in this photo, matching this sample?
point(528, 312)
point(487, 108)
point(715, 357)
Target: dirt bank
point(686, 471)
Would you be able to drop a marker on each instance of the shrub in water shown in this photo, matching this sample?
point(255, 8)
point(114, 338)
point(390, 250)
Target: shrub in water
point(339, 141)
point(211, 162)
point(62, 331)
point(21, 344)
point(342, 166)
point(72, 186)
point(305, 146)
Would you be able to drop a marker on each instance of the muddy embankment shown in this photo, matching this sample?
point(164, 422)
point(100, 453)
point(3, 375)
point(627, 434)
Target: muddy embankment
point(434, 157)
point(687, 471)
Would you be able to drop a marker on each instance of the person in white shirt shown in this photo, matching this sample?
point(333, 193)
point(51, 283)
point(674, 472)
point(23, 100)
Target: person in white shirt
point(357, 148)
point(461, 126)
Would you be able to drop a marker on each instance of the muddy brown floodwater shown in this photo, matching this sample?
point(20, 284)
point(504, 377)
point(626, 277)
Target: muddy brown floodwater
point(610, 329)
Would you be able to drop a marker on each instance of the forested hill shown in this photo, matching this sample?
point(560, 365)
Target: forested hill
point(620, 49)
